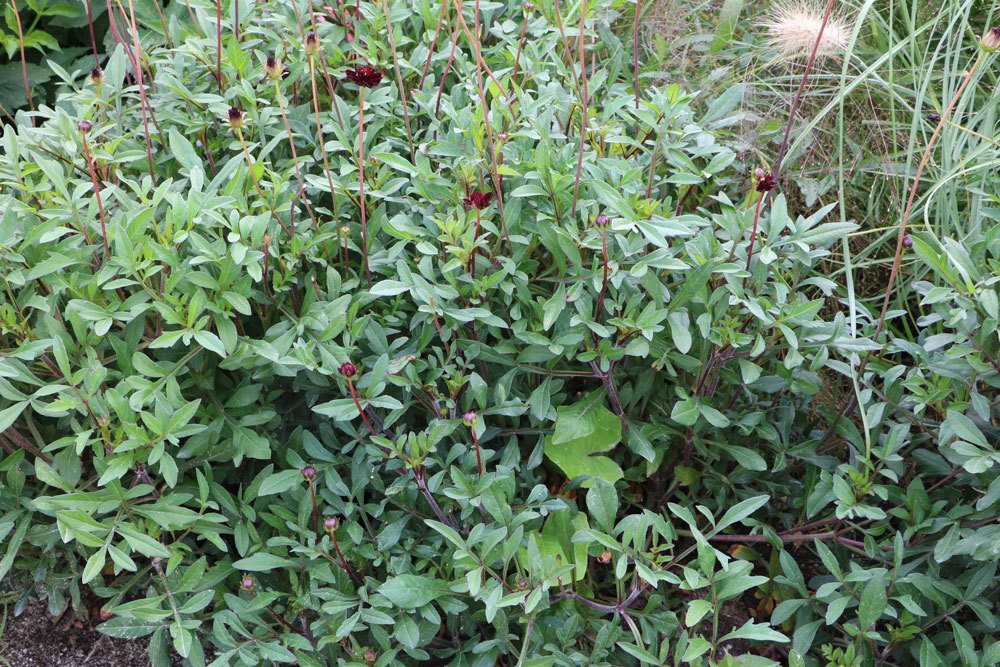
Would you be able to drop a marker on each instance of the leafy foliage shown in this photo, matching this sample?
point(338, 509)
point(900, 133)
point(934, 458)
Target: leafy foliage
point(260, 338)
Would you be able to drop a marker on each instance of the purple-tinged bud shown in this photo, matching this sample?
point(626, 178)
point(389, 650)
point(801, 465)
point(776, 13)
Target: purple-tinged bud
point(84, 126)
point(601, 220)
point(348, 370)
point(247, 584)
point(529, 7)
point(96, 76)
point(470, 418)
point(308, 473)
point(235, 118)
point(273, 68)
point(907, 241)
point(765, 181)
point(330, 524)
point(371, 656)
point(991, 40)
point(312, 44)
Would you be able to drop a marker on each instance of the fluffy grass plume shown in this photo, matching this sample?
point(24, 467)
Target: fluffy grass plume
point(792, 29)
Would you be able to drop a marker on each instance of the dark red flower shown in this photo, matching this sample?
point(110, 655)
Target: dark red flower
point(478, 200)
point(366, 76)
point(765, 181)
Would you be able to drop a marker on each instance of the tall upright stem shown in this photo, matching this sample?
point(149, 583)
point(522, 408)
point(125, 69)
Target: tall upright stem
point(361, 187)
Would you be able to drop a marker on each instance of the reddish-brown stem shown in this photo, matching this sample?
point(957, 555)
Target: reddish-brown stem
point(897, 258)
point(218, 43)
point(475, 238)
point(480, 65)
point(344, 565)
point(312, 496)
point(236, 19)
point(319, 126)
point(93, 40)
point(275, 615)
point(295, 156)
point(753, 232)
point(430, 49)
point(604, 283)
point(24, 62)
point(802, 85)
point(831, 536)
point(137, 65)
point(444, 76)
point(520, 47)
point(357, 403)
point(635, 53)
point(97, 193)
point(361, 186)
point(584, 115)
point(475, 441)
point(404, 97)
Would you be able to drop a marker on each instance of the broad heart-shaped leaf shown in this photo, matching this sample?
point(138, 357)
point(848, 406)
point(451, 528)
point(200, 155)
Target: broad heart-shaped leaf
point(582, 430)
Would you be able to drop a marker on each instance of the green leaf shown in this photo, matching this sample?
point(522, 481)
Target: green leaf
point(758, 632)
point(409, 591)
point(582, 430)
point(873, 602)
point(741, 510)
point(261, 561)
point(280, 482)
point(602, 503)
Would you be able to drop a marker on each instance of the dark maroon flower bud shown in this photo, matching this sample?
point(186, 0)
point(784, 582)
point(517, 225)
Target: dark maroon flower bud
point(308, 473)
point(348, 370)
point(312, 44)
point(366, 76)
point(765, 181)
point(85, 126)
point(331, 524)
point(235, 118)
point(907, 241)
point(602, 220)
point(273, 68)
point(247, 584)
point(934, 117)
point(478, 200)
point(96, 76)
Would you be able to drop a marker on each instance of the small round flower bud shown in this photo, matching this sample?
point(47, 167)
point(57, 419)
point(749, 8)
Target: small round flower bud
point(470, 418)
point(106, 614)
point(96, 76)
point(348, 370)
point(529, 7)
point(234, 117)
point(991, 39)
point(345, 230)
point(308, 472)
point(247, 584)
point(273, 68)
point(330, 524)
point(84, 126)
point(312, 44)
point(522, 584)
point(933, 117)
point(907, 241)
point(371, 656)
point(602, 220)
point(503, 136)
